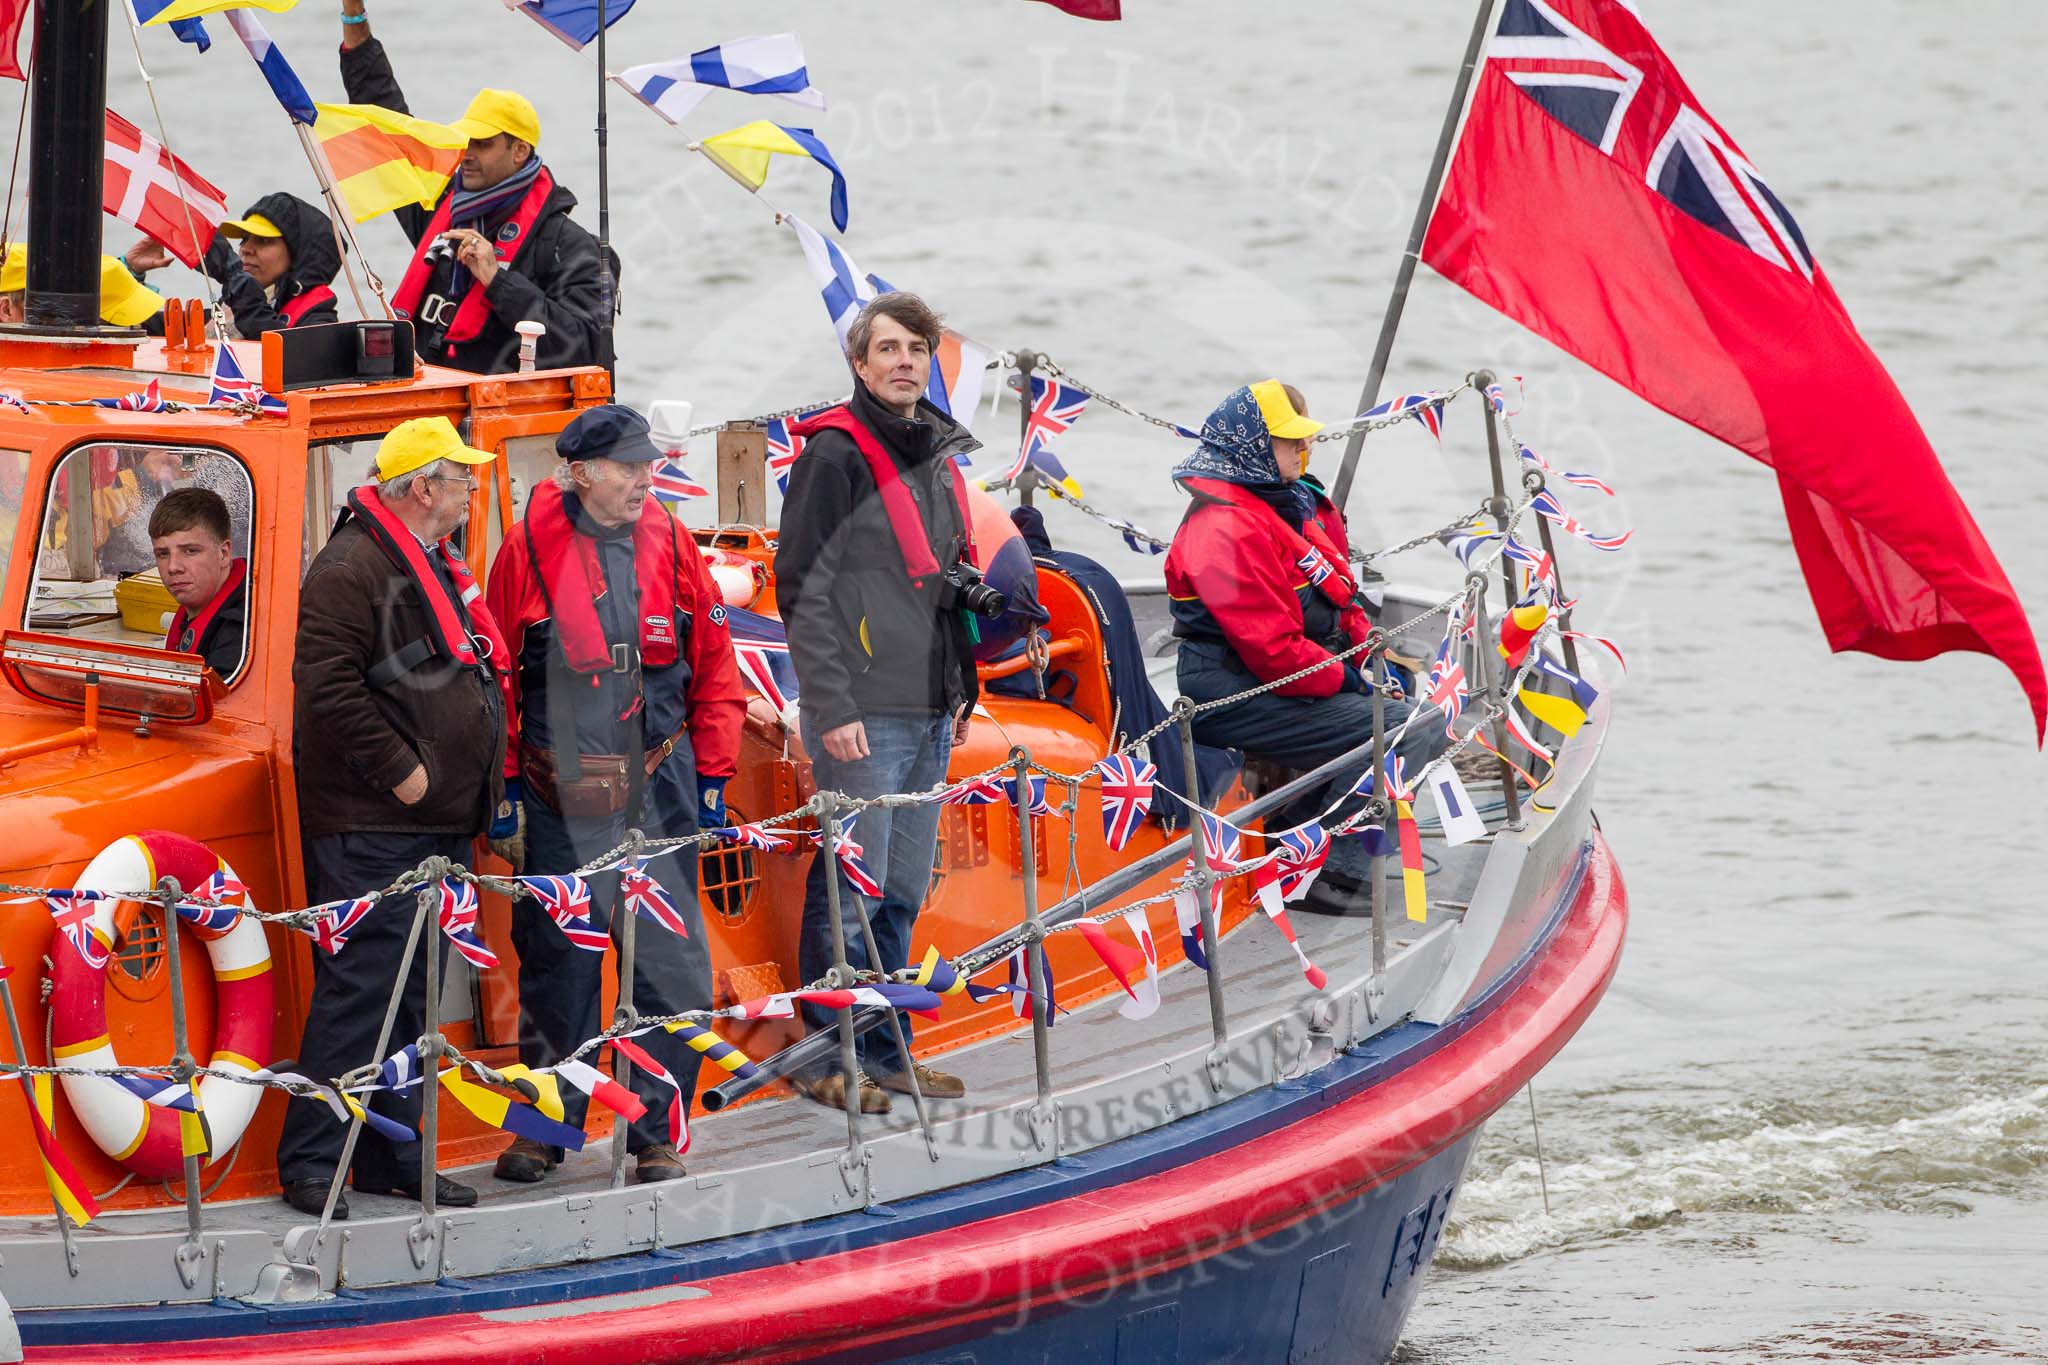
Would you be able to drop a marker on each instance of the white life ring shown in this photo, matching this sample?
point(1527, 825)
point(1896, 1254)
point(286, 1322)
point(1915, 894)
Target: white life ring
point(142, 1136)
point(739, 579)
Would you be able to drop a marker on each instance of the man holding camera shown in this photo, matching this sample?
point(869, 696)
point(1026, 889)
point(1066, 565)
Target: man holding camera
point(500, 247)
point(874, 574)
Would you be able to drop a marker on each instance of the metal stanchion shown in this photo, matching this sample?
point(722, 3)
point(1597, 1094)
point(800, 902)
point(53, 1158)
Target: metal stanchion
point(430, 1070)
point(627, 1016)
point(1375, 670)
point(193, 1250)
point(1037, 974)
point(1219, 1023)
point(28, 1094)
point(1491, 672)
point(855, 1159)
point(435, 867)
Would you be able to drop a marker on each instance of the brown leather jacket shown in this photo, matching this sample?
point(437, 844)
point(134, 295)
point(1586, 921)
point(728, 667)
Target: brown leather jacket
point(361, 719)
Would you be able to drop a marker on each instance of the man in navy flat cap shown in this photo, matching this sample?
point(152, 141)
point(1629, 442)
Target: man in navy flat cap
point(629, 718)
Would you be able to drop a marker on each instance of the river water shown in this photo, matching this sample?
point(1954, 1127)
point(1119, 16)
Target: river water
point(1811, 1119)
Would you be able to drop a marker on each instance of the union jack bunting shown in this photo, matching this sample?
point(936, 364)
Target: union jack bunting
point(1446, 688)
point(647, 897)
point(751, 836)
point(150, 399)
point(975, 791)
point(1497, 396)
point(15, 401)
point(332, 929)
point(1397, 779)
point(1546, 505)
point(1315, 567)
point(761, 645)
point(73, 913)
point(230, 385)
point(220, 916)
point(784, 446)
point(850, 863)
point(567, 901)
point(160, 1091)
point(458, 922)
point(1054, 408)
point(1299, 856)
point(1126, 797)
point(1576, 480)
point(1034, 794)
point(1223, 843)
point(672, 483)
point(1426, 408)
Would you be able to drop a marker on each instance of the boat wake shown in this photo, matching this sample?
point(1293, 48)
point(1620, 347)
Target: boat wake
point(1926, 1162)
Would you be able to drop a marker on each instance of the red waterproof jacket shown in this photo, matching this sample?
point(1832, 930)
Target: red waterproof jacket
point(708, 691)
point(1238, 574)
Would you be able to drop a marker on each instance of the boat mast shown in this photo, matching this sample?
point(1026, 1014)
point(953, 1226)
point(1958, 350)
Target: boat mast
point(607, 345)
point(1384, 347)
point(67, 150)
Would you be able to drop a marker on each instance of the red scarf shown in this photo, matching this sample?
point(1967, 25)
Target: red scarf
point(511, 235)
point(904, 519)
point(296, 307)
point(451, 639)
point(238, 572)
point(566, 563)
point(1311, 548)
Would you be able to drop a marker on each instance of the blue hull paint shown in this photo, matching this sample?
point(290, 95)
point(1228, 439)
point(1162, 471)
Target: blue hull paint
point(1336, 1288)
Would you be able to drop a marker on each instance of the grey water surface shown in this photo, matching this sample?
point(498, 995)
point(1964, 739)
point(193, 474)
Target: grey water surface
point(1810, 1121)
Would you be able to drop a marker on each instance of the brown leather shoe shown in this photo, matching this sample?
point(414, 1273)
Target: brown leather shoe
point(526, 1161)
point(936, 1085)
point(830, 1091)
point(658, 1163)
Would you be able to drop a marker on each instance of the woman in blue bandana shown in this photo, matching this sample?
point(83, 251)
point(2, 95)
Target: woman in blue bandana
point(1262, 588)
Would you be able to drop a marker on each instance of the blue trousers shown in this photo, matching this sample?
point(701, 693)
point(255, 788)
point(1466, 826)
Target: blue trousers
point(906, 753)
point(560, 984)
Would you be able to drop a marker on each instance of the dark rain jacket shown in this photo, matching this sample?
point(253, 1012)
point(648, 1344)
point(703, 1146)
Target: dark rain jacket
point(354, 741)
point(555, 278)
point(305, 293)
point(862, 638)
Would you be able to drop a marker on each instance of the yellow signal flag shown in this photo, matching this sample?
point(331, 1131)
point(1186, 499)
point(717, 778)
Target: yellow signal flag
point(383, 160)
point(1414, 893)
point(194, 9)
point(1561, 714)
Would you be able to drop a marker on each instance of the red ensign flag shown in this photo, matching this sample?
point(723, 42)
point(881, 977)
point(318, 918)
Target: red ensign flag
point(1593, 200)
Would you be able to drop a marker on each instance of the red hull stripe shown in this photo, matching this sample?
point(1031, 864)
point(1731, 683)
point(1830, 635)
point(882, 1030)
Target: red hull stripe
point(1081, 1247)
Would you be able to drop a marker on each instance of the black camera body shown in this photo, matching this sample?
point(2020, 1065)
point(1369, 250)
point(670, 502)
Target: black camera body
point(961, 586)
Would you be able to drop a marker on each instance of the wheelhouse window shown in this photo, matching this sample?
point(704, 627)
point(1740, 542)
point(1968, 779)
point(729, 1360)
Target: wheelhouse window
point(13, 479)
point(100, 573)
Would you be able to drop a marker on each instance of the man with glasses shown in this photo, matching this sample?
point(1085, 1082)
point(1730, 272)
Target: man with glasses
point(399, 738)
point(630, 708)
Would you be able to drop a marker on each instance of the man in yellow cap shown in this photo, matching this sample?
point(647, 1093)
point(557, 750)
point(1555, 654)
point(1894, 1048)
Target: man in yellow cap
point(500, 247)
point(123, 301)
point(399, 733)
point(275, 265)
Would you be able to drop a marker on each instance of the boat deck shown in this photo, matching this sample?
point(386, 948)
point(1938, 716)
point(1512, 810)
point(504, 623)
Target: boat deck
point(781, 1161)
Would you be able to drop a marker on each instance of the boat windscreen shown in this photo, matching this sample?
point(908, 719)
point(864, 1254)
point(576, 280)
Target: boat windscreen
point(13, 478)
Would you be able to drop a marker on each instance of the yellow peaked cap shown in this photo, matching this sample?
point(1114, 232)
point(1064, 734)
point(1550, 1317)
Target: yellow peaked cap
point(1281, 418)
point(500, 111)
point(421, 441)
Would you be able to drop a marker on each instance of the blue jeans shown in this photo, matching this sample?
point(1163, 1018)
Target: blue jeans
point(906, 753)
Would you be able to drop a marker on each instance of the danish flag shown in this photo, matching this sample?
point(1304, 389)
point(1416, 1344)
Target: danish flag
point(1126, 797)
point(149, 189)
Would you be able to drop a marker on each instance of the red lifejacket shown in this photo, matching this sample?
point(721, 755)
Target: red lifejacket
point(511, 235)
point(912, 537)
point(1322, 562)
point(238, 572)
point(296, 307)
point(450, 638)
point(566, 566)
